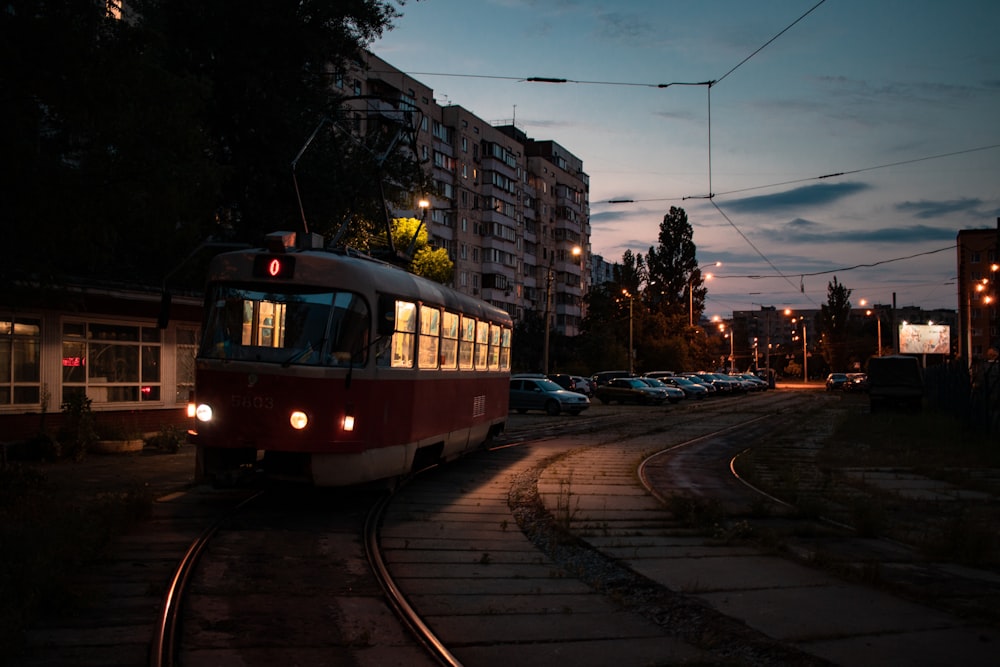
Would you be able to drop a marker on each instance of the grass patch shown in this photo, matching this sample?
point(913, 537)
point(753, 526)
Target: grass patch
point(47, 534)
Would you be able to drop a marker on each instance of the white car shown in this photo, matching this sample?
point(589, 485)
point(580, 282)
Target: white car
point(583, 385)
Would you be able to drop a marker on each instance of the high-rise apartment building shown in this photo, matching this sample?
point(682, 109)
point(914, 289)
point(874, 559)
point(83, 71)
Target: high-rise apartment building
point(512, 212)
point(978, 293)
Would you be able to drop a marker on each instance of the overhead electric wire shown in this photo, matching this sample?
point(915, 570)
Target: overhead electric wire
point(554, 79)
point(842, 269)
point(809, 178)
point(768, 42)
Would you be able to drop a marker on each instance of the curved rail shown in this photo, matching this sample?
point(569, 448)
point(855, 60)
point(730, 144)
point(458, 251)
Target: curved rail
point(396, 598)
point(162, 649)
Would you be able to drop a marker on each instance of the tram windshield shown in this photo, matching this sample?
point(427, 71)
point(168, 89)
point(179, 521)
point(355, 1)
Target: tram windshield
point(315, 328)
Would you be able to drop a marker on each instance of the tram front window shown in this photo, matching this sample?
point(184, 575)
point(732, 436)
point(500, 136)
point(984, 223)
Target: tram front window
point(311, 328)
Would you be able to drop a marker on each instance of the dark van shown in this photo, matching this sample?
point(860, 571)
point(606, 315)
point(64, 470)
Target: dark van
point(895, 381)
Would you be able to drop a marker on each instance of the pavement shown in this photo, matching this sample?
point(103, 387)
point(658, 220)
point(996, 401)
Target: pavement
point(805, 607)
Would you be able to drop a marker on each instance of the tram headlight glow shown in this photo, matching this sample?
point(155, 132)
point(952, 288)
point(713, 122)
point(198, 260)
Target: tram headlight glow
point(298, 420)
point(203, 412)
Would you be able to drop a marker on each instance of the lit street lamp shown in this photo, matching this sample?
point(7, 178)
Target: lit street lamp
point(708, 276)
point(805, 354)
point(732, 349)
point(631, 365)
point(548, 308)
point(548, 304)
point(878, 319)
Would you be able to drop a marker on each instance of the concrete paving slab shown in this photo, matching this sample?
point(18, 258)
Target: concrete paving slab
point(729, 574)
point(813, 613)
point(519, 628)
point(445, 605)
point(968, 647)
point(588, 653)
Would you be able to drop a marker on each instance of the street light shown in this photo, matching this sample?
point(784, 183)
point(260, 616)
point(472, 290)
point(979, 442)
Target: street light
point(708, 276)
point(878, 320)
point(631, 365)
point(805, 354)
point(548, 308)
point(732, 350)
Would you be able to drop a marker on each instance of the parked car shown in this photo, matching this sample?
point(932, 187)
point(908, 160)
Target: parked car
point(690, 388)
point(629, 390)
point(758, 383)
point(563, 380)
point(540, 393)
point(836, 381)
point(856, 382)
point(674, 395)
point(583, 385)
point(604, 377)
point(709, 387)
point(659, 375)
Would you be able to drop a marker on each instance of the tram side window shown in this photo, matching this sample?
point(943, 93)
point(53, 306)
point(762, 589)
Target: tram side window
point(404, 336)
point(430, 330)
point(467, 343)
point(449, 340)
point(349, 330)
point(482, 345)
point(505, 349)
point(494, 346)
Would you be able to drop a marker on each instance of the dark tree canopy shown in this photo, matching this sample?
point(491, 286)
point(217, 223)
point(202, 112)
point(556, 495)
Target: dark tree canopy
point(673, 265)
point(834, 317)
point(128, 142)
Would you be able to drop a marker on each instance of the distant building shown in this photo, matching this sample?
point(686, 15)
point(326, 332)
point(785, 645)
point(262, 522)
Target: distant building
point(978, 292)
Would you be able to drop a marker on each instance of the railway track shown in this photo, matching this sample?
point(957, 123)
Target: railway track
point(546, 548)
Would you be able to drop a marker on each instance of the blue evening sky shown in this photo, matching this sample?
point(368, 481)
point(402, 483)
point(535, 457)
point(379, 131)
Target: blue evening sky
point(895, 103)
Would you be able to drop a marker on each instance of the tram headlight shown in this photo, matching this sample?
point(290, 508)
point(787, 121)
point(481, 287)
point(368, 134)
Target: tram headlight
point(203, 412)
point(298, 420)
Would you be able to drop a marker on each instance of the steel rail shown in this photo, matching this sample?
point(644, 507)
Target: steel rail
point(163, 647)
point(400, 605)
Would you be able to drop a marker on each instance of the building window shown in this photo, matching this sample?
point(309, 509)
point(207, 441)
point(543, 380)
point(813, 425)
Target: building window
point(20, 361)
point(111, 363)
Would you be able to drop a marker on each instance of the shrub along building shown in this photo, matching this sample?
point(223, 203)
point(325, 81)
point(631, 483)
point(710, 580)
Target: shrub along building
point(512, 212)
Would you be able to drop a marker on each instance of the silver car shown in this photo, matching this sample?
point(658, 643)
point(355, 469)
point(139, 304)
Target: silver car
point(539, 393)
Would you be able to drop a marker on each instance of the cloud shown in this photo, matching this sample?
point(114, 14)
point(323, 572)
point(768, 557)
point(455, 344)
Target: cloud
point(936, 209)
point(801, 231)
point(802, 197)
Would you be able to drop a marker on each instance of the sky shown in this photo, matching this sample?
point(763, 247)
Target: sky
point(840, 139)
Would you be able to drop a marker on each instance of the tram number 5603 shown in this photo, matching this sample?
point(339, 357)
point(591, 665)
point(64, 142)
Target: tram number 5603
point(254, 402)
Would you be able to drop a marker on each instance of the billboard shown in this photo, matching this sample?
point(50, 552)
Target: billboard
point(924, 338)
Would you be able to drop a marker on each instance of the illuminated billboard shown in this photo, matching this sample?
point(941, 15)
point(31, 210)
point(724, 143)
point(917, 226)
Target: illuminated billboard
point(924, 338)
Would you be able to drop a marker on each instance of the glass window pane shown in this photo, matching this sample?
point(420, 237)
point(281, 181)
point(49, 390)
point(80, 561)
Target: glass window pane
point(150, 363)
point(26, 360)
point(116, 332)
point(113, 363)
point(5, 347)
point(74, 362)
point(25, 394)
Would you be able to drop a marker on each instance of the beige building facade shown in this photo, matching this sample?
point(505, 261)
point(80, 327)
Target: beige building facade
point(512, 211)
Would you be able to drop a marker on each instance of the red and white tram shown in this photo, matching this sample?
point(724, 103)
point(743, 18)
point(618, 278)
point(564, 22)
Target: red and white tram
point(339, 369)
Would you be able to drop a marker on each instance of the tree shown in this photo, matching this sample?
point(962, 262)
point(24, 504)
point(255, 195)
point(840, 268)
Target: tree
point(410, 249)
point(834, 317)
point(127, 143)
point(673, 266)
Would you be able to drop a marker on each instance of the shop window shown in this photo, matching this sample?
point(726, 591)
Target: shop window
point(20, 361)
point(112, 363)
